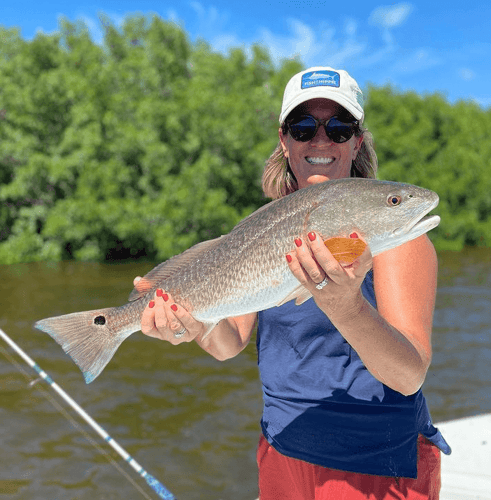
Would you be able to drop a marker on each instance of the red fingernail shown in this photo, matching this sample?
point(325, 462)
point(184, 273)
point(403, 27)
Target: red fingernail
point(311, 236)
point(173, 307)
point(159, 292)
point(288, 258)
point(298, 242)
point(165, 297)
point(151, 304)
point(353, 235)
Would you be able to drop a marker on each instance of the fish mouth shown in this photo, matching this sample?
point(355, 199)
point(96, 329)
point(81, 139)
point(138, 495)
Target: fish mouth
point(420, 224)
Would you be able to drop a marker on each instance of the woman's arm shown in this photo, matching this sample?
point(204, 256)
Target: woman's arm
point(394, 340)
point(165, 318)
point(405, 280)
point(229, 337)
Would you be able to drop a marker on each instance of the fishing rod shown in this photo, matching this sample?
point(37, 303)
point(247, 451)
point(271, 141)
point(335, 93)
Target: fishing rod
point(156, 485)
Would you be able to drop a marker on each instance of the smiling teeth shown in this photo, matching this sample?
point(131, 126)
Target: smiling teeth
point(319, 160)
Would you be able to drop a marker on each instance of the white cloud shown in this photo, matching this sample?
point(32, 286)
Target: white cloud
point(320, 44)
point(198, 8)
point(223, 43)
point(466, 74)
point(372, 58)
point(484, 102)
point(299, 40)
point(304, 40)
point(314, 46)
point(387, 18)
point(173, 16)
point(212, 26)
point(41, 31)
point(416, 60)
point(390, 16)
point(95, 28)
point(210, 20)
point(351, 27)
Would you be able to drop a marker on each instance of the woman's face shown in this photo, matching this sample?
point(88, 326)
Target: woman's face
point(319, 159)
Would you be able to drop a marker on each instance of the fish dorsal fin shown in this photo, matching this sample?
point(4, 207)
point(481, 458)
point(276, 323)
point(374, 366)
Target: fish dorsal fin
point(300, 294)
point(169, 267)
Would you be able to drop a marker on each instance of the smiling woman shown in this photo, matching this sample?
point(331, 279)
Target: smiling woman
point(316, 443)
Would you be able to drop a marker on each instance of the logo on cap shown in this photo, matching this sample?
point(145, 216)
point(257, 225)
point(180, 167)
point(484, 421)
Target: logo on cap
point(320, 78)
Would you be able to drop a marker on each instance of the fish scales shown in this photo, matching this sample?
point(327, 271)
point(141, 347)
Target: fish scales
point(246, 271)
point(250, 259)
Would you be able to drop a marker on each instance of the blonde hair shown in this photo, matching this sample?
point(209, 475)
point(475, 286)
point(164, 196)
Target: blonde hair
point(278, 179)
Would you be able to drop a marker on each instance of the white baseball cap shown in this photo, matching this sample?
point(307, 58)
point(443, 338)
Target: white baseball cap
point(328, 83)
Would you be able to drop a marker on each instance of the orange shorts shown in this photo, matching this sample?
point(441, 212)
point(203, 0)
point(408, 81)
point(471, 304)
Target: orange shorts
point(284, 478)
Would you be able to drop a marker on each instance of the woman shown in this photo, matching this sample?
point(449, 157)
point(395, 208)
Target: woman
point(344, 416)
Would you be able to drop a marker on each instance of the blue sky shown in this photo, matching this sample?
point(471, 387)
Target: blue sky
point(427, 46)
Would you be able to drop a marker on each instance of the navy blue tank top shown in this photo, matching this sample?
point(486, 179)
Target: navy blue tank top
point(322, 405)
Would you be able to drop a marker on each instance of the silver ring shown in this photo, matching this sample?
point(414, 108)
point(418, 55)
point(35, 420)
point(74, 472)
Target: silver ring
point(322, 284)
point(180, 333)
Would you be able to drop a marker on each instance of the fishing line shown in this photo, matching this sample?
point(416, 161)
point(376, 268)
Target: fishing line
point(158, 487)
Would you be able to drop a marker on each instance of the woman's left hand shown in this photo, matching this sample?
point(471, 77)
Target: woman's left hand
point(311, 263)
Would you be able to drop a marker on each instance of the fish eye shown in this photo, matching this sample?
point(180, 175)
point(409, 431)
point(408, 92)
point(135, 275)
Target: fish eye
point(100, 320)
point(393, 200)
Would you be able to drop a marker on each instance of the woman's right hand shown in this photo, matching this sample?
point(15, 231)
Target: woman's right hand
point(164, 319)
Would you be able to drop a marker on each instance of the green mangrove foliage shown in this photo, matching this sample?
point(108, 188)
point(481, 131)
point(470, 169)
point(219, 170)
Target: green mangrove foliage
point(146, 144)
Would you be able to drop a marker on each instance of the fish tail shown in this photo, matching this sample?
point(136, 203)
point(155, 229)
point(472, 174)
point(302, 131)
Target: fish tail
point(90, 338)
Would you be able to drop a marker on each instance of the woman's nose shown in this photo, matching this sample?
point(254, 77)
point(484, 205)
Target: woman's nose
point(321, 136)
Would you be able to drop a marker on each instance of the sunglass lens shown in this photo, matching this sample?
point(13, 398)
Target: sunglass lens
point(338, 131)
point(302, 129)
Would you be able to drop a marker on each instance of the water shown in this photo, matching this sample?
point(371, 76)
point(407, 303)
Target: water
point(188, 419)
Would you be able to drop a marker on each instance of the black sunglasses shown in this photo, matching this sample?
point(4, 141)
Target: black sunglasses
point(303, 128)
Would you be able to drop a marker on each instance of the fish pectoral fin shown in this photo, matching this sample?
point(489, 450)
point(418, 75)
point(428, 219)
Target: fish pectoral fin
point(304, 296)
point(170, 267)
point(300, 295)
point(144, 286)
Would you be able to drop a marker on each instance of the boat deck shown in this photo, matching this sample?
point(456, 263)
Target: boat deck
point(466, 473)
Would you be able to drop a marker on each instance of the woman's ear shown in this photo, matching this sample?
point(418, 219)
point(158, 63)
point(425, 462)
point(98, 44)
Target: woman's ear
point(283, 139)
point(358, 143)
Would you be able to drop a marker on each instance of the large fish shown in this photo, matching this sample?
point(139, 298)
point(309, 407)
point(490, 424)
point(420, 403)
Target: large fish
point(246, 271)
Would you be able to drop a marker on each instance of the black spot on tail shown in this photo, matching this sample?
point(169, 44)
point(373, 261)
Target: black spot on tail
point(100, 320)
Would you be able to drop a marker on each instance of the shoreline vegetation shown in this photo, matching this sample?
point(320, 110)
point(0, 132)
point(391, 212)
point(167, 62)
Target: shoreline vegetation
point(147, 144)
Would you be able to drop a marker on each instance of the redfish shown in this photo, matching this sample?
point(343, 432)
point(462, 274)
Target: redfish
point(246, 271)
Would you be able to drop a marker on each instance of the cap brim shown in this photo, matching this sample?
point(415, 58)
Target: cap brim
point(323, 93)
